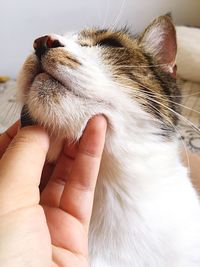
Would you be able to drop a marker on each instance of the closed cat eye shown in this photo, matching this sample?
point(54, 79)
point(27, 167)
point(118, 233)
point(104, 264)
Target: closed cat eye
point(110, 42)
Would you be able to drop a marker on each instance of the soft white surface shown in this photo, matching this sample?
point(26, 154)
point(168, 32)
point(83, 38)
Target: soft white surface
point(188, 59)
point(22, 21)
point(9, 110)
point(189, 124)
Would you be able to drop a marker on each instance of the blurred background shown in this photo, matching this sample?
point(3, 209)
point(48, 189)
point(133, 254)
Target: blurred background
point(21, 21)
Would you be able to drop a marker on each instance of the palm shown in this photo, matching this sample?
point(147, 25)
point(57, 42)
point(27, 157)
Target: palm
point(68, 238)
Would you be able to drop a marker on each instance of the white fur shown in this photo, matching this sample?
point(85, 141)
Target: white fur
point(146, 212)
point(153, 40)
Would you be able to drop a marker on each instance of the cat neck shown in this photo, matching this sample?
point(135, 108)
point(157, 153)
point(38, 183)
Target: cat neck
point(133, 174)
point(138, 152)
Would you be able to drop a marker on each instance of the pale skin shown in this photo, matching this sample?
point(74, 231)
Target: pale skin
point(48, 229)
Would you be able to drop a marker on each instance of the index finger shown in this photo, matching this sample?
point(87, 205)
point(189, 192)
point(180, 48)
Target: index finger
point(21, 168)
point(7, 136)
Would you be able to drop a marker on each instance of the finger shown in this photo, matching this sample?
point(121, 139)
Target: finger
point(46, 174)
point(77, 197)
point(71, 149)
point(21, 168)
point(7, 136)
point(52, 193)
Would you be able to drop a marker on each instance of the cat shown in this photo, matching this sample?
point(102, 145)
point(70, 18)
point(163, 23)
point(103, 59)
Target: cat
point(146, 212)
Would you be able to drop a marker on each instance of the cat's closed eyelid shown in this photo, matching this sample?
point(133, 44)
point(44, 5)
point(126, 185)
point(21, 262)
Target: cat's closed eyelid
point(107, 42)
point(110, 42)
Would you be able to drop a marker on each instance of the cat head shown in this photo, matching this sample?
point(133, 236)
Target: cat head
point(69, 79)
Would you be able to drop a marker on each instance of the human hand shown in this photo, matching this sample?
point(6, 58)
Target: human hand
point(50, 229)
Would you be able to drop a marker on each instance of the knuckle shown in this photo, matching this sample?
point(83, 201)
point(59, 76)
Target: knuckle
point(91, 152)
point(80, 185)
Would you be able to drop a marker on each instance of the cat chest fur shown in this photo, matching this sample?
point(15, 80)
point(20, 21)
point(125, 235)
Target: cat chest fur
point(135, 220)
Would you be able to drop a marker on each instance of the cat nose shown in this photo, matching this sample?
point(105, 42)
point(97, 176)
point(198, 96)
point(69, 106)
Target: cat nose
point(42, 44)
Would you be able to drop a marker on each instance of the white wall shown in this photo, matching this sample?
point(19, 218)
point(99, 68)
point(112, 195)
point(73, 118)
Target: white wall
point(21, 21)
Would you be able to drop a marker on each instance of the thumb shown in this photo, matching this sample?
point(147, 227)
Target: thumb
point(21, 167)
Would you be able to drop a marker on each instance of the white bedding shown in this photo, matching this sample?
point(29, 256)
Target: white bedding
point(9, 110)
point(188, 57)
point(189, 121)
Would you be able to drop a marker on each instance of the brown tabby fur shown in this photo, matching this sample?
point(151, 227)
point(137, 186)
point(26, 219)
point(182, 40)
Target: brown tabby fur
point(130, 63)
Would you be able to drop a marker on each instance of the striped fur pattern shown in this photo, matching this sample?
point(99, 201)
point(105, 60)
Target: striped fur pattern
point(146, 212)
point(132, 66)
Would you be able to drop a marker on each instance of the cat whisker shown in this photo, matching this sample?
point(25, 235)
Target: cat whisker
point(171, 110)
point(140, 66)
point(179, 115)
point(121, 10)
point(179, 134)
point(151, 93)
point(107, 9)
point(175, 103)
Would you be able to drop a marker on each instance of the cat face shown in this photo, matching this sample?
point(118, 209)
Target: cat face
point(71, 78)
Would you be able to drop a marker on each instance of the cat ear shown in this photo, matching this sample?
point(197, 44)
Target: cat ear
point(159, 40)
